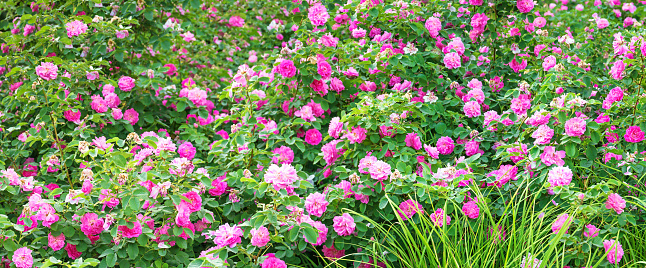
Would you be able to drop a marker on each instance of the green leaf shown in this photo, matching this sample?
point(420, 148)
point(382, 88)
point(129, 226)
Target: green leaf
point(591, 152)
point(119, 160)
point(165, 44)
point(55, 192)
point(440, 128)
point(374, 12)
point(293, 233)
point(311, 234)
point(111, 259)
point(133, 251)
point(119, 55)
point(148, 14)
point(570, 149)
point(240, 140)
point(383, 202)
point(401, 166)
point(203, 113)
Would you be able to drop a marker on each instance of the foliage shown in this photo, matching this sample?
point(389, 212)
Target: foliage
point(274, 133)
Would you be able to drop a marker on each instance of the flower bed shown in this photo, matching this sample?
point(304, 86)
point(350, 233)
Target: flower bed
point(269, 134)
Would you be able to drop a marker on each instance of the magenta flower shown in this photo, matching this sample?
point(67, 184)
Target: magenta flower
point(318, 14)
point(503, 175)
point(336, 127)
point(322, 233)
point(22, 258)
point(452, 60)
point(634, 134)
point(549, 63)
point(413, 141)
point(195, 203)
point(616, 203)
point(344, 225)
point(75, 28)
point(560, 222)
point(445, 145)
point(126, 83)
point(47, 71)
point(559, 176)
point(471, 209)
point(286, 68)
point(433, 25)
point(575, 127)
point(332, 253)
point(236, 21)
point(56, 242)
point(273, 262)
point(132, 116)
point(617, 70)
point(552, 157)
point(614, 251)
point(525, 6)
point(98, 104)
point(357, 135)
point(439, 218)
point(72, 253)
point(316, 204)
point(186, 150)
point(518, 66)
point(227, 236)
point(91, 224)
point(409, 208)
point(285, 155)
point(324, 69)
point(260, 237)
point(122, 34)
point(591, 231)
point(108, 198)
point(313, 136)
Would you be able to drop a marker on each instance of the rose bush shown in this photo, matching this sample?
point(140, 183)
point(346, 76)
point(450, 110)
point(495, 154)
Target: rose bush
point(205, 134)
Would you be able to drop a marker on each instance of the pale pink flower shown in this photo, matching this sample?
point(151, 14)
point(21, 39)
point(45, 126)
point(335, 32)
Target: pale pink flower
point(380, 170)
point(472, 109)
point(281, 177)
